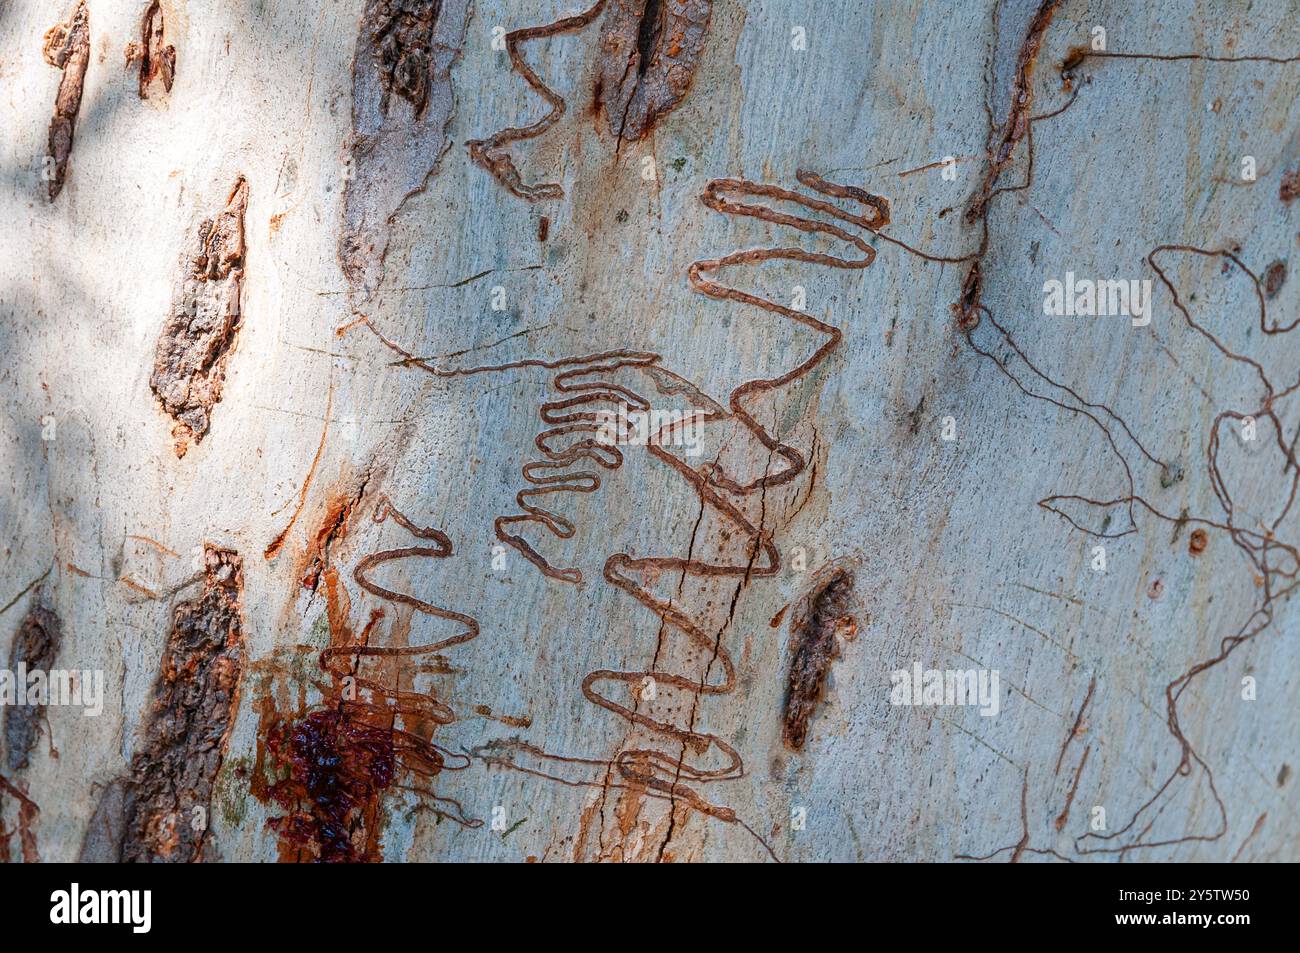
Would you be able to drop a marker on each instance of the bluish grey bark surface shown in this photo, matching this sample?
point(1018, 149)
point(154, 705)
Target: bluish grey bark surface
point(972, 482)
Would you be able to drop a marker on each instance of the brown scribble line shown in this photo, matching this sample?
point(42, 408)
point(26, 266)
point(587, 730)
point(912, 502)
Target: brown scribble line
point(491, 153)
point(273, 548)
point(1021, 846)
point(154, 543)
point(375, 720)
point(1259, 823)
point(1078, 723)
point(646, 767)
point(133, 585)
point(1258, 546)
point(935, 165)
point(1064, 816)
point(1017, 125)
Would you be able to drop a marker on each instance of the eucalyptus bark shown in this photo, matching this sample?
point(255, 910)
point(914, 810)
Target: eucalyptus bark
point(314, 314)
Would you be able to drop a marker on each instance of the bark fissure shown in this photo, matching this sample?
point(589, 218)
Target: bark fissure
point(648, 55)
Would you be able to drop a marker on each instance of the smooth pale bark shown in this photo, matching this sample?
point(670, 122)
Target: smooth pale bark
point(954, 564)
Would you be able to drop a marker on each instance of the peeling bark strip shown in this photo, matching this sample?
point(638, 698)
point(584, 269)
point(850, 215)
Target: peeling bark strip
point(157, 62)
point(36, 643)
point(67, 47)
point(195, 344)
point(401, 107)
point(649, 50)
point(821, 618)
point(193, 707)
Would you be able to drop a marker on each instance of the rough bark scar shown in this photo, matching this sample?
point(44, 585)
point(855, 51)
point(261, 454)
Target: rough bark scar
point(1018, 125)
point(35, 645)
point(151, 816)
point(648, 54)
point(333, 529)
point(815, 630)
point(1289, 189)
point(646, 58)
point(157, 61)
point(199, 335)
point(402, 103)
point(1274, 278)
point(1022, 101)
point(28, 812)
point(67, 48)
point(967, 307)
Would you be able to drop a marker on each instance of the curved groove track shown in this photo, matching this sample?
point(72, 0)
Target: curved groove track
point(665, 774)
point(1275, 563)
point(344, 756)
point(416, 705)
point(491, 152)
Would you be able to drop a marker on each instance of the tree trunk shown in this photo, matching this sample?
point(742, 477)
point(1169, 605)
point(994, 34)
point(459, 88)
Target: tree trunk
point(485, 430)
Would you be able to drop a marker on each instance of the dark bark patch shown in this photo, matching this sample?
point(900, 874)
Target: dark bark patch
point(402, 49)
point(67, 48)
point(648, 53)
point(173, 772)
point(199, 334)
point(401, 107)
point(157, 58)
point(1289, 190)
point(28, 813)
point(967, 310)
point(820, 621)
point(35, 646)
point(339, 767)
point(1274, 278)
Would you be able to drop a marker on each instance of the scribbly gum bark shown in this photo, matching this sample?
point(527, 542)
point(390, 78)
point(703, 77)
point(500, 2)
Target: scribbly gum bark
point(315, 315)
